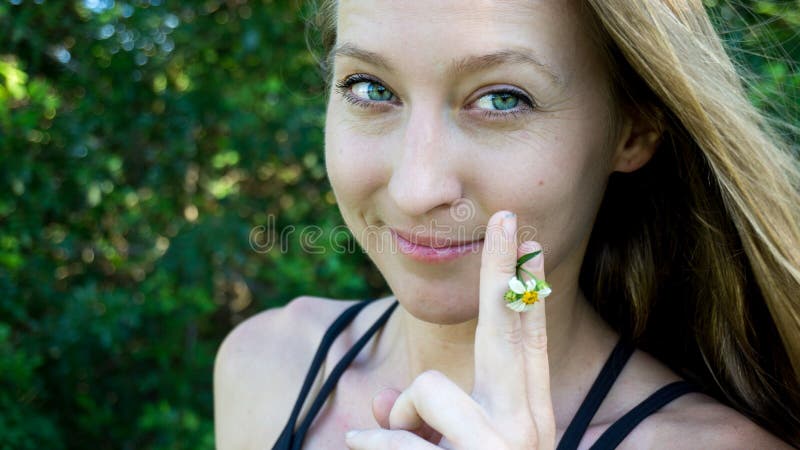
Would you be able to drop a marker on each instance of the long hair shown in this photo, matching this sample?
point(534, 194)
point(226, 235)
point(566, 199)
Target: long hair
point(695, 256)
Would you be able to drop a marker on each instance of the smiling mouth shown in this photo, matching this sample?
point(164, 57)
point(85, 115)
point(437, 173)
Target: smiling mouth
point(434, 242)
point(440, 253)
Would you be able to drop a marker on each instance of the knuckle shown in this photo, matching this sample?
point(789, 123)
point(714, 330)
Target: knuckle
point(428, 380)
point(513, 335)
point(510, 335)
point(508, 266)
point(535, 341)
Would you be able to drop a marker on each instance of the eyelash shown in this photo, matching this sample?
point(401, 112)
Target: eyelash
point(343, 88)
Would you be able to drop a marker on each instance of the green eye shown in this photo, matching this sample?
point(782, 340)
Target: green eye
point(372, 91)
point(499, 101)
point(369, 93)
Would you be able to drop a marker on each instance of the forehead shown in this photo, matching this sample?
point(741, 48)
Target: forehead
point(433, 35)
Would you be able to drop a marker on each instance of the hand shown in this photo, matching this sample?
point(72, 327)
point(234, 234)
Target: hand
point(510, 405)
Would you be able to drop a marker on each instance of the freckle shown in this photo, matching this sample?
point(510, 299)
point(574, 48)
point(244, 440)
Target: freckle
point(541, 182)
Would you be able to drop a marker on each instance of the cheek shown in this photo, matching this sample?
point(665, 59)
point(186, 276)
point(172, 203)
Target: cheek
point(353, 163)
point(553, 177)
point(556, 160)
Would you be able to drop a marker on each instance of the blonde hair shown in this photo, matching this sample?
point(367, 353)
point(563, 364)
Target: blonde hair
point(704, 270)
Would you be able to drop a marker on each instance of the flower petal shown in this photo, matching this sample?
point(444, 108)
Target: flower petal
point(517, 306)
point(545, 292)
point(516, 285)
point(530, 285)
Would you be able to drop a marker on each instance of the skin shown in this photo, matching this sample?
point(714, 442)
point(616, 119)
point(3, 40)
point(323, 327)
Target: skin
point(408, 162)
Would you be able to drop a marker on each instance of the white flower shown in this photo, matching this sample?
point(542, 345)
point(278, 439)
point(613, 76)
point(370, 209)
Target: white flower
point(522, 296)
point(516, 286)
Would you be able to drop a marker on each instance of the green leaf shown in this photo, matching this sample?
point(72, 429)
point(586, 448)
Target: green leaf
point(525, 258)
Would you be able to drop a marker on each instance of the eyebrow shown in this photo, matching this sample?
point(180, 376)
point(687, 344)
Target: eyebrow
point(468, 64)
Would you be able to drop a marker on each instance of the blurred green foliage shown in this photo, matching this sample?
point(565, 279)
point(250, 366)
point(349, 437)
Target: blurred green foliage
point(146, 150)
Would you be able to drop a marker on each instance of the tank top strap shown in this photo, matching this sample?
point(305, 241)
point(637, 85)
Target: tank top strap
point(289, 439)
point(615, 434)
point(335, 328)
point(597, 393)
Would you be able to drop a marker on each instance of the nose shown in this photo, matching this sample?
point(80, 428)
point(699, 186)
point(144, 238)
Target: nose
point(425, 176)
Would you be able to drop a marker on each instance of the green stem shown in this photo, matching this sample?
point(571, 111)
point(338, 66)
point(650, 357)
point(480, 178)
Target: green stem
point(529, 274)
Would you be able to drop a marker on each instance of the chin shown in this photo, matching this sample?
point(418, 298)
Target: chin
point(443, 293)
point(441, 304)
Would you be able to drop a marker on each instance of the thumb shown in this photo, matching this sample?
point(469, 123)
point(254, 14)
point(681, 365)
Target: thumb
point(382, 404)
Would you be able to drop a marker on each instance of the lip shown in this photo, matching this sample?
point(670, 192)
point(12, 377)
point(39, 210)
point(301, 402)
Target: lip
point(428, 249)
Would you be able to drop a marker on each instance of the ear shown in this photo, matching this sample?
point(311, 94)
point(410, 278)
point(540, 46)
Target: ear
point(638, 140)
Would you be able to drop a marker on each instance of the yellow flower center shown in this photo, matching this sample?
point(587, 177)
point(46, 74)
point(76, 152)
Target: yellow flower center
point(530, 297)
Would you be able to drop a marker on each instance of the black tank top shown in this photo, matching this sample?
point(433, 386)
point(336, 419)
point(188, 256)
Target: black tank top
point(292, 436)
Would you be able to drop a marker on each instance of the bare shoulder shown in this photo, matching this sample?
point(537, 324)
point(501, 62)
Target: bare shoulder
point(260, 367)
point(699, 421)
point(696, 420)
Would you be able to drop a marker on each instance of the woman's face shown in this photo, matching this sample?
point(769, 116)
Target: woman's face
point(448, 111)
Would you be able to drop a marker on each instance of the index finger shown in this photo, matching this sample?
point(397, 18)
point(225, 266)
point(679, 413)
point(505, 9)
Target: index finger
point(499, 382)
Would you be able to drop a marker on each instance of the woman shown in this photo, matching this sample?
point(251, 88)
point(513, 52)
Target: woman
point(615, 136)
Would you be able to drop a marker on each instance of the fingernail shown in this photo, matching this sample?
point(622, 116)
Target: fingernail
point(350, 434)
point(529, 247)
point(510, 224)
point(538, 261)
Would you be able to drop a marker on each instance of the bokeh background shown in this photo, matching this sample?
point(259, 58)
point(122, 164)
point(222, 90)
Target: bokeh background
point(147, 150)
